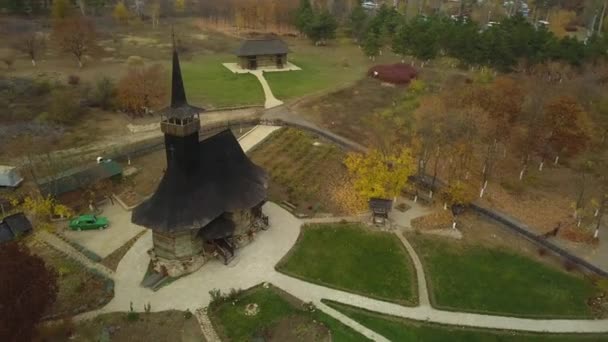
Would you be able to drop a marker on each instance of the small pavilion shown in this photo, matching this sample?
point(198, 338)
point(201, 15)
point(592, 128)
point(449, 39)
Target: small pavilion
point(268, 52)
point(209, 201)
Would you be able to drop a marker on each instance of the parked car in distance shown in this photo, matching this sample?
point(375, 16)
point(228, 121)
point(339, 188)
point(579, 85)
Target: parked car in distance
point(89, 222)
point(369, 5)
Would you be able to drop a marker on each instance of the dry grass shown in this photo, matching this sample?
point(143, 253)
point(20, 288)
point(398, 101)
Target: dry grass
point(80, 290)
point(301, 167)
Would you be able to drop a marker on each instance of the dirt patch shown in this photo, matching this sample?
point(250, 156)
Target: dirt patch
point(139, 40)
point(112, 260)
point(80, 289)
point(347, 112)
point(302, 168)
point(440, 219)
point(162, 326)
point(297, 328)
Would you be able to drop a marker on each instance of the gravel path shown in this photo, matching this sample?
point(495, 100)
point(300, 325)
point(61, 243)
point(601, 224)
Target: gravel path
point(255, 263)
point(271, 101)
point(72, 253)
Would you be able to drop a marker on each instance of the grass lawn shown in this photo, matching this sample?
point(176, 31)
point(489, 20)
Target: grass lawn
point(300, 172)
point(353, 258)
point(474, 278)
point(208, 83)
point(400, 329)
point(323, 68)
point(281, 317)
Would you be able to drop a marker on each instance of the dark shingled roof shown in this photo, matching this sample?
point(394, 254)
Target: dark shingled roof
point(380, 204)
point(79, 177)
point(257, 47)
point(219, 228)
point(223, 180)
point(179, 105)
point(13, 226)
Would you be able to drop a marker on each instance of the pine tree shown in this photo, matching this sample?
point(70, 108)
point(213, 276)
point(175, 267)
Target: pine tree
point(358, 22)
point(304, 17)
point(323, 28)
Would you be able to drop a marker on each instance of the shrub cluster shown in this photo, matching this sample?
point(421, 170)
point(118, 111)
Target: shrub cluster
point(393, 73)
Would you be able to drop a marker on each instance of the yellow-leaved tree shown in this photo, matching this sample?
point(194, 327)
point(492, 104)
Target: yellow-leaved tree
point(121, 13)
point(41, 210)
point(377, 174)
point(179, 5)
point(60, 9)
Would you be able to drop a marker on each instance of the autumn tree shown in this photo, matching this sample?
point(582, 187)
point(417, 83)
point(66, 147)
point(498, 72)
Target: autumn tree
point(502, 104)
point(28, 288)
point(41, 209)
point(76, 36)
point(565, 128)
point(60, 9)
point(33, 44)
point(8, 57)
point(121, 13)
point(179, 6)
point(155, 13)
point(376, 174)
point(601, 119)
point(458, 195)
point(142, 89)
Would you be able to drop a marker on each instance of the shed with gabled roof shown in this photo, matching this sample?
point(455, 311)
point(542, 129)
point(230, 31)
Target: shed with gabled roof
point(268, 52)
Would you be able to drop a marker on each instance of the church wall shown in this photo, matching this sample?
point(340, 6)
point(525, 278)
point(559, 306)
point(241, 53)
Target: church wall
point(163, 245)
point(177, 245)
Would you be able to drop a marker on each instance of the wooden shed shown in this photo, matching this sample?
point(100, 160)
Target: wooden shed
point(269, 52)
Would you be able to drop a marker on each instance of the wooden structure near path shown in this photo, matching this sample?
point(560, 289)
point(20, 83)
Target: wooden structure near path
point(268, 52)
point(209, 200)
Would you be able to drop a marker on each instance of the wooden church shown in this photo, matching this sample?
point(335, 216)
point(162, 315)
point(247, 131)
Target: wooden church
point(209, 201)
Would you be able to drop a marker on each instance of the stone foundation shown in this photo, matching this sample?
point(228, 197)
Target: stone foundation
point(177, 268)
point(248, 226)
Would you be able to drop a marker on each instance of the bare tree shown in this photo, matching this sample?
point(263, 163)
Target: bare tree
point(76, 36)
point(8, 56)
point(33, 44)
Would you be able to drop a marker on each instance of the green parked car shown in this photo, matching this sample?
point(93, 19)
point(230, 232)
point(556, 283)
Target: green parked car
point(88, 222)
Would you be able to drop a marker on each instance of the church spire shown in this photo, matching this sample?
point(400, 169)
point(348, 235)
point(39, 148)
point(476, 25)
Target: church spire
point(178, 93)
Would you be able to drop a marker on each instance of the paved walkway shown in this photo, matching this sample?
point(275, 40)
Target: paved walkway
point(255, 264)
point(72, 253)
point(271, 101)
point(255, 136)
point(206, 326)
point(235, 68)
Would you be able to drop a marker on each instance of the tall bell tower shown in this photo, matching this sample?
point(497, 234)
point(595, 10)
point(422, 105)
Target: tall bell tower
point(180, 122)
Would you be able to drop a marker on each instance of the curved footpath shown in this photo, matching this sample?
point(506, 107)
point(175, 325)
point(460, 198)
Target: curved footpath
point(255, 264)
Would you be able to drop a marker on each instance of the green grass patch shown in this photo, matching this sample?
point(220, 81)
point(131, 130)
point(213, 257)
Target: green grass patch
point(352, 258)
point(274, 305)
point(479, 279)
point(323, 68)
point(400, 329)
point(209, 83)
